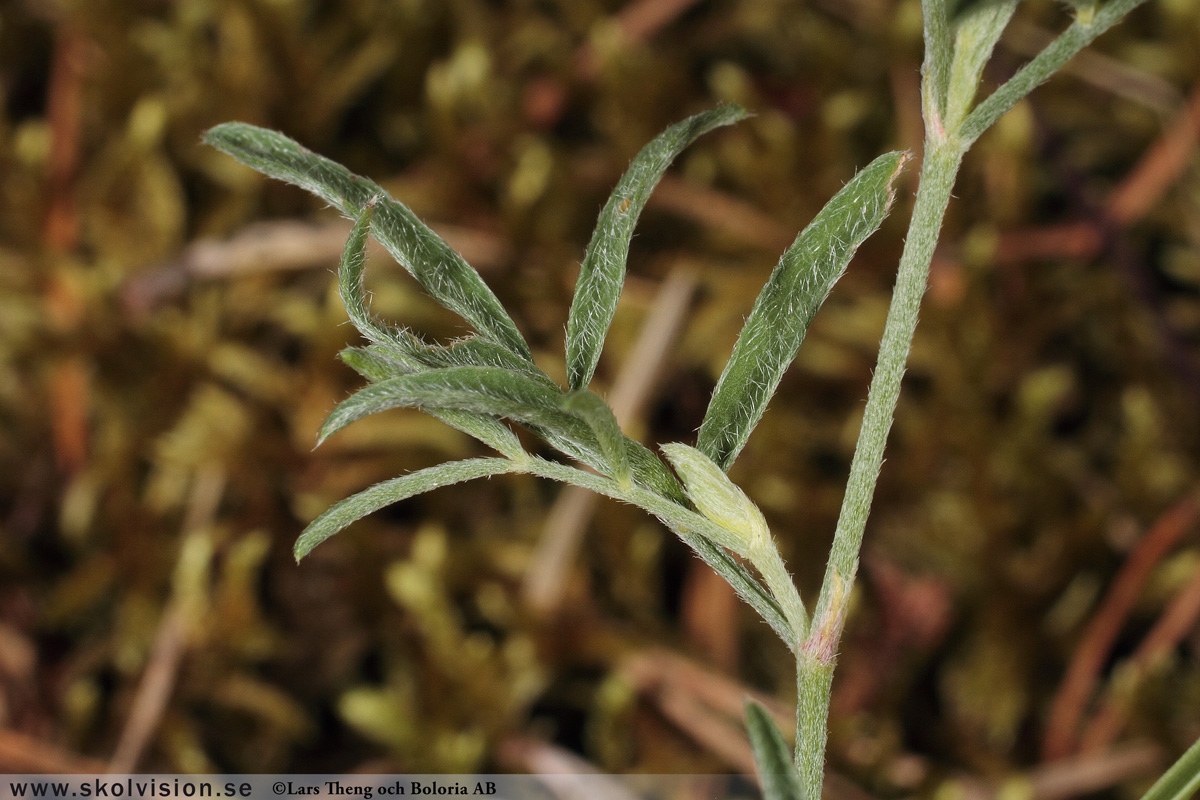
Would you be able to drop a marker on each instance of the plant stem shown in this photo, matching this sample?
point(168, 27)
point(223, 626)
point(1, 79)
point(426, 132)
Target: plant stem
point(1081, 33)
point(938, 174)
point(814, 666)
point(814, 684)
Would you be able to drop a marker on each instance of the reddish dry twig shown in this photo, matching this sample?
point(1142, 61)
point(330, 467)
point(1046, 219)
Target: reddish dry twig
point(1075, 240)
point(637, 22)
point(1095, 772)
point(1093, 650)
point(65, 96)
point(709, 707)
point(70, 392)
point(717, 733)
point(536, 757)
point(24, 754)
point(1143, 187)
point(910, 128)
point(1076, 776)
point(709, 614)
point(651, 670)
point(1159, 168)
point(1101, 71)
point(70, 383)
point(281, 246)
point(717, 211)
point(1176, 622)
point(170, 642)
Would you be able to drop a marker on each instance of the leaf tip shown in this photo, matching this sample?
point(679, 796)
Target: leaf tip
point(734, 112)
point(223, 136)
point(772, 758)
point(302, 547)
point(326, 431)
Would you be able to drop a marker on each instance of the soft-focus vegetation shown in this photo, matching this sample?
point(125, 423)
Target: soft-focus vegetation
point(164, 368)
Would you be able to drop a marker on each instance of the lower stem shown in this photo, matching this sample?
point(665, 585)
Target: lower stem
point(814, 675)
point(814, 683)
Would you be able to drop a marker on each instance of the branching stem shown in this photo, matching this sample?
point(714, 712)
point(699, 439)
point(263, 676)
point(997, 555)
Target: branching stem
point(814, 675)
point(944, 150)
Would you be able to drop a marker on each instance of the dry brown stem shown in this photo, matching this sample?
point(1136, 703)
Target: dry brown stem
point(170, 642)
point(24, 754)
point(1177, 621)
point(1083, 672)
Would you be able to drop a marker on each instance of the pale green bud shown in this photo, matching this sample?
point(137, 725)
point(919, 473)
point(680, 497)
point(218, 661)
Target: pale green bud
point(716, 497)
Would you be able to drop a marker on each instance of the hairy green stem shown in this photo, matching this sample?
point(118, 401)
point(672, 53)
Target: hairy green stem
point(938, 174)
point(944, 150)
point(1081, 33)
point(815, 669)
point(814, 684)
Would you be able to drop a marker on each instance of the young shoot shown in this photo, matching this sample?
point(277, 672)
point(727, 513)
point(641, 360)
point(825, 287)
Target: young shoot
point(489, 381)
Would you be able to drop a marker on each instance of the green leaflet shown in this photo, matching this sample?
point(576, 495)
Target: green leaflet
point(397, 352)
point(602, 273)
point(487, 429)
point(397, 344)
point(599, 417)
point(402, 345)
point(787, 304)
point(977, 28)
point(649, 471)
point(1181, 781)
point(1079, 35)
point(359, 505)
point(480, 390)
point(772, 756)
point(374, 364)
point(441, 271)
point(475, 351)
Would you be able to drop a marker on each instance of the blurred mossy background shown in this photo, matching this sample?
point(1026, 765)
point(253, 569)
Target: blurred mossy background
point(168, 336)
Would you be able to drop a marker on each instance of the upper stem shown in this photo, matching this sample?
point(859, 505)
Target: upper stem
point(938, 173)
point(815, 664)
point(1078, 36)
